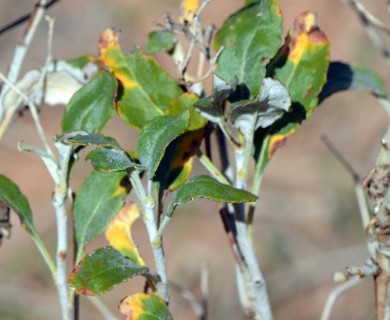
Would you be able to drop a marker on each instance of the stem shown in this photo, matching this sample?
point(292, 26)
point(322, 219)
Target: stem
point(148, 205)
point(380, 204)
point(243, 156)
point(45, 254)
point(224, 156)
point(365, 217)
point(59, 203)
point(253, 288)
point(21, 50)
point(258, 177)
point(256, 289)
point(335, 294)
point(76, 297)
point(204, 289)
point(33, 110)
point(211, 168)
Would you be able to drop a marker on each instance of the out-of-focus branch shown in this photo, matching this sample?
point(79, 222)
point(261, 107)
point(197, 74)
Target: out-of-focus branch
point(21, 50)
point(359, 192)
point(336, 293)
point(24, 18)
point(372, 24)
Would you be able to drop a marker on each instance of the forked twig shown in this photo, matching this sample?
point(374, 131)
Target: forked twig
point(21, 50)
point(335, 294)
point(371, 24)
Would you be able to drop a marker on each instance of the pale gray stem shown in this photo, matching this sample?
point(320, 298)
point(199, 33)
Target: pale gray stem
point(59, 203)
point(20, 52)
point(148, 205)
point(204, 289)
point(255, 283)
point(158, 253)
point(370, 22)
point(335, 294)
point(33, 110)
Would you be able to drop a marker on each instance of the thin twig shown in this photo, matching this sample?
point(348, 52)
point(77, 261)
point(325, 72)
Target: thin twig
point(358, 7)
point(370, 23)
point(21, 50)
point(193, 39)
point(204, 289)
point(335, 294)
point(190, 297)
point(359, 192)
point(33, 110)
point(22, 19)
point(340, 157)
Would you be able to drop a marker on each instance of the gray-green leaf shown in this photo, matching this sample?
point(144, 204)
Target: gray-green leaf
point(109, 160)
point(268, 107)
point(251, 37)
point(83, 138)
point(98, 200)
point(342, 76)
point(101, 270)
point(156, 136)
point(211, 107)
point(205, 187)
point(11, 195)
point(92, 106)
point(161, 41)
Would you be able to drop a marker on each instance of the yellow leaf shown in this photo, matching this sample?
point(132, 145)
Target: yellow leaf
point(277, 141)
point(307, 36)
point(189, 8)
point(118, 233)
point(144, 306)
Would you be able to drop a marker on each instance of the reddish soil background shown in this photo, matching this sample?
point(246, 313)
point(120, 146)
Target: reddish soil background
point(306, 226)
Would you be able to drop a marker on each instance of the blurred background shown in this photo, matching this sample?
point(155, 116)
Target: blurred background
point(307, 223)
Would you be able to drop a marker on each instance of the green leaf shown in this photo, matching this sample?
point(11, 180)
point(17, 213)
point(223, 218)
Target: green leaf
point(11, 196)
point(211, 107)
point(92, 106)
point(185, 102)
point(142, 306)
point(301, 66)
point(270, 105)
point(101, 270)
point(146, 89)
point(80, 62)
point(98, 200)
point(176, 166)
point(83, 138)
point(205, 187)
point(109, 160)
point(342, 76)
point(303, 61)
point(251, 37)
point(155, 137)
point(161, 41)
